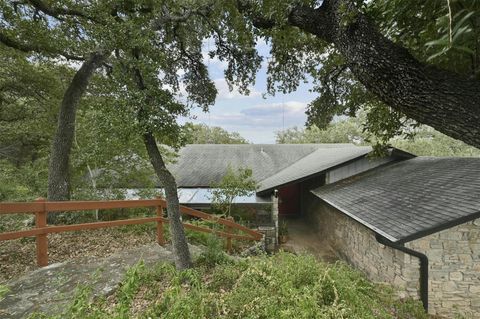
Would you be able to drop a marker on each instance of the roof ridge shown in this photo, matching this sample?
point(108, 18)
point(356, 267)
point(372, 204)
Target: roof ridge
point(307, 156)
point(281, 170)
point(301, 158)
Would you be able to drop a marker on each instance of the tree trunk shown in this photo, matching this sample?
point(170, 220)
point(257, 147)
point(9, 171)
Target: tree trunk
point(179, 242)
point(58, 171)
point(447, 101)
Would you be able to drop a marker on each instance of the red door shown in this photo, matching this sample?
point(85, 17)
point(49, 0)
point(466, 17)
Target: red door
point(289, 199)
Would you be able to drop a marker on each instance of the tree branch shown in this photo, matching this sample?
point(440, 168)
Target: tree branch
point(33, 47)
point(168, 17)
point(447, 101)
point(57, 12)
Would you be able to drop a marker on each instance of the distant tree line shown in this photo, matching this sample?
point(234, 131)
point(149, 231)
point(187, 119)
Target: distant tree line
point(422, 140)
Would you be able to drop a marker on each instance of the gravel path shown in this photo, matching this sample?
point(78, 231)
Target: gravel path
point(302, 237)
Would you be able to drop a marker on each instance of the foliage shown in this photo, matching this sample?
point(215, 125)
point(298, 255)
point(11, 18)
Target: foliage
point(343, 131)
point(421, 141)
point(106, 155)
point(203, 134)
point(428, 142)
point(29, 98)
point(278, 286)
point(128, 289)
point(234, 183)
point(156, 52)
point(214, 254)
point(443, 34)
point(30, 90)
point(3, 291)
point(22, 184)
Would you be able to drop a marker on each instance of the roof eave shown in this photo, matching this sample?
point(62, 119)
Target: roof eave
point(409, 238)
point(301, 179)
point(361, 221)
point(440, 227)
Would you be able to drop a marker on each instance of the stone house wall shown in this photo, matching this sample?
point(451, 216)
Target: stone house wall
point(454, 269)
point(357, 245)
point(454, 259)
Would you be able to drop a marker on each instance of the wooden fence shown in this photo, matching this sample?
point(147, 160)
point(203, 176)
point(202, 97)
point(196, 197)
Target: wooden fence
point(41, 208)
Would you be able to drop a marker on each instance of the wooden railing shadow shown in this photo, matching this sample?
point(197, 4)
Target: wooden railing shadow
point(41, 208)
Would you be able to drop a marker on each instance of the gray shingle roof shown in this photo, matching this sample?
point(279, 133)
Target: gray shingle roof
point(198, 165)
point(410, 199)
point(314, 163)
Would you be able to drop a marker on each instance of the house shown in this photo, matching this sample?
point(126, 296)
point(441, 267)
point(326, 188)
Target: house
point(290, 169)
point(413, 222)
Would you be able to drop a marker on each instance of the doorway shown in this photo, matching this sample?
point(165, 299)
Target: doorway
point(289, 200)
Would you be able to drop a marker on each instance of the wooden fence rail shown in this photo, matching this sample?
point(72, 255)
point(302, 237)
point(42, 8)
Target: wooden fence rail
point(41, 208)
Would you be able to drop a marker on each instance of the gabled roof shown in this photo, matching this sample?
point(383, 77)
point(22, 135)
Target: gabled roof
point(199, 165)
point(412, 198)
point(314, 163)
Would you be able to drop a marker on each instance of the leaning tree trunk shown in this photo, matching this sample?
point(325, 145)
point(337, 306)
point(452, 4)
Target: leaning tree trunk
point(447, 101)
point(58, 171)
point(179, 242)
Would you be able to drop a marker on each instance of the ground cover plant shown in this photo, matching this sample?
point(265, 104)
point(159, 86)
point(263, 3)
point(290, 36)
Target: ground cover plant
point(279, 286)
point(17, 257)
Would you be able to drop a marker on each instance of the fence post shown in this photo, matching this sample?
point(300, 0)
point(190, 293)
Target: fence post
point(229, 240)
point(160, 236)
point(42, 241)
point(229, 230)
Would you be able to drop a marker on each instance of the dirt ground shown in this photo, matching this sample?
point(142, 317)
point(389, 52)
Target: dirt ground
point(302, 237)
point(17, 257)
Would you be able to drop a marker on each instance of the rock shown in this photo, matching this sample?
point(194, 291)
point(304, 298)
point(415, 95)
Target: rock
point(255, 249)
point(50, 289)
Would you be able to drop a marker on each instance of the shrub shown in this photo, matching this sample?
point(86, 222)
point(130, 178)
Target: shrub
point(279, 286)
point(214, 254)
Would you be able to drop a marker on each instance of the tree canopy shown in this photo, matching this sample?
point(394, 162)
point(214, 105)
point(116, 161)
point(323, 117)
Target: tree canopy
point(398, 60)
point(147, 51)
point(124, 72)
point(424, 141)
point(204, 134)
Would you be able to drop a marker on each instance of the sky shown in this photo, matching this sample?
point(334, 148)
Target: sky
point(256, 118)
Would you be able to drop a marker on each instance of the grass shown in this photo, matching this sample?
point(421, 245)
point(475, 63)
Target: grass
point(17, 257)
point(279, 286)
point(3, 291)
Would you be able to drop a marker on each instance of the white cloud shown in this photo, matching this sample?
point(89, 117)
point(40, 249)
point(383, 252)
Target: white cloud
point(215, 61)
point(272, 115)
point(290, 108)
point(225, 93)
point(257, 123)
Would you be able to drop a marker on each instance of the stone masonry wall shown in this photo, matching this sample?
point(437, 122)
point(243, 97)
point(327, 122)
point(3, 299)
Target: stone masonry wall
point(357, 245)
point(454, 269)
point(453, 254)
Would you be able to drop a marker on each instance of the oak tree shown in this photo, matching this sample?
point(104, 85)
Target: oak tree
point(414, 59)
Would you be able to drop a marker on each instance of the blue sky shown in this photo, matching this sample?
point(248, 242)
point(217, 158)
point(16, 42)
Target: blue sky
point(254, 117)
